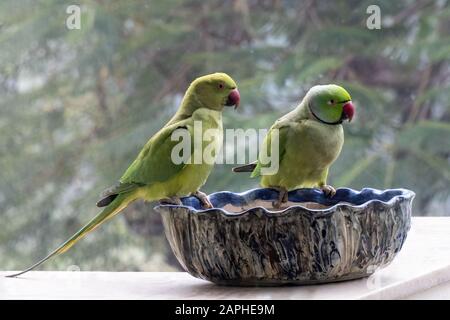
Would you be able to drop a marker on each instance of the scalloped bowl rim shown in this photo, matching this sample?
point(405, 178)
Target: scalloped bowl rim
point(404, 194)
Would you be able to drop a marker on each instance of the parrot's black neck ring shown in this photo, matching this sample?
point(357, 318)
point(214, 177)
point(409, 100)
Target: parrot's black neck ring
point(323, 121)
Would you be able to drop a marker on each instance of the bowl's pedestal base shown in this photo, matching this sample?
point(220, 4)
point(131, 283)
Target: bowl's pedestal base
point(276, 283)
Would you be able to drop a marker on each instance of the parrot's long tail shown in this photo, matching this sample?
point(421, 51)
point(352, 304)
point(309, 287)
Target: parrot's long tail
point(119, 203)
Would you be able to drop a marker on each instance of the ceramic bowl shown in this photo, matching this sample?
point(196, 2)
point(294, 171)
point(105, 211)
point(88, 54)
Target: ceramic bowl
point(244, 241)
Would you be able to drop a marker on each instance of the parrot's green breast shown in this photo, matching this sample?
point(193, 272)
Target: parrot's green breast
point(310, 148)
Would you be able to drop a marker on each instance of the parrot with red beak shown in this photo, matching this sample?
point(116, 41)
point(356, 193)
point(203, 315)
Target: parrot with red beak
point(154, 175)
point(309, 139)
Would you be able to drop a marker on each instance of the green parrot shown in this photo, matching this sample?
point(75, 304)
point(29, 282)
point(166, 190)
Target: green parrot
point(310, 138)
point(154, 175)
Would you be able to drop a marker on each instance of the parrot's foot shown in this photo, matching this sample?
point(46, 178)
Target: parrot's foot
point(203, 198)
point(171, 200)
point(282, 198)
point(329, 191)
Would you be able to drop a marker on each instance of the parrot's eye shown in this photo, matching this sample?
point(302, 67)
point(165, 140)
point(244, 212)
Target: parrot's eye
point(220, 85)
point(331, 102)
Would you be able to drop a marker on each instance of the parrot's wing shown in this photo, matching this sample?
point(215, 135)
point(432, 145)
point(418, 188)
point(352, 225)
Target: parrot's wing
point(246, 167)
point(120, 188)
point(154, 163)
point(283, 130)
point(112, 192)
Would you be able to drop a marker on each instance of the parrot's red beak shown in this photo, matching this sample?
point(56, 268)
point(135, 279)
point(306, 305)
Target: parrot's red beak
point(348, 111)
point(233, 98)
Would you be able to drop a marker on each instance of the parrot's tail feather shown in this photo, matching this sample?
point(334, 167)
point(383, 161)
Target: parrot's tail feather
point(245, 168)
point(110, 211)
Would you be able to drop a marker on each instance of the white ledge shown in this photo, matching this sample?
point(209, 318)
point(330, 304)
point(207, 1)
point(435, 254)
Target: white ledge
point(421, 270)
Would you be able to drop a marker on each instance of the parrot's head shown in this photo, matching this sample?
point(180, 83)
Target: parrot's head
point(330, 104)
point(215, 91)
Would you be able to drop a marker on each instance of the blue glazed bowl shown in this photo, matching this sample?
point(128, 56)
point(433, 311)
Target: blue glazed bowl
point(244, 241)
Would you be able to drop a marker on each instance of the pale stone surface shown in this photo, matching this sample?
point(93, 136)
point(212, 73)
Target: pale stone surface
point(421, 270)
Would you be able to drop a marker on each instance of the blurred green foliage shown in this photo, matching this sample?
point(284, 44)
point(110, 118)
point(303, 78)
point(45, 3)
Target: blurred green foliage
point(77, 105)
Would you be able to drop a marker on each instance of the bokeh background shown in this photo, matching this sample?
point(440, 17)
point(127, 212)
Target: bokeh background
point(76, 106)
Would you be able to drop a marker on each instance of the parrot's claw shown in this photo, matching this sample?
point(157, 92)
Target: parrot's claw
point(282, 198)
point(171, 200)
point(203, 198)
point(329, 191)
